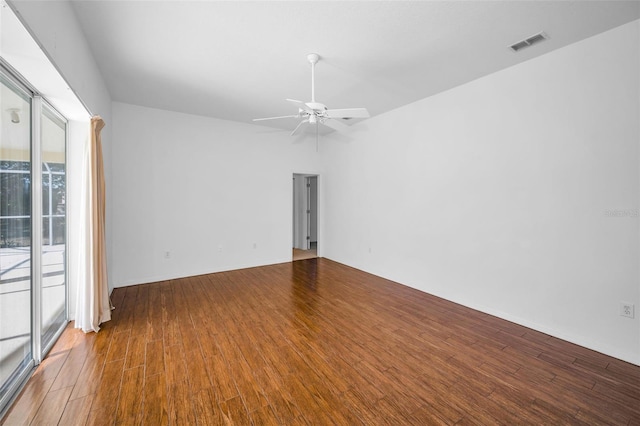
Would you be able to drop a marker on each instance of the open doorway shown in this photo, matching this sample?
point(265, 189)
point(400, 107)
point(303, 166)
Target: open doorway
point(305, 216)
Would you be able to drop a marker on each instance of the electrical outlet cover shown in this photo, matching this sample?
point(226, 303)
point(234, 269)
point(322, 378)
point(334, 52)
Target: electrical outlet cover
point(627, 309)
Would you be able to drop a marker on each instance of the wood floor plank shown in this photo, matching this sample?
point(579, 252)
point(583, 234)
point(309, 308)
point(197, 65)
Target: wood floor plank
point(221, 378)
point(28, 403)
point(77, 411)
point(52, 406)
point(89, 377)
point(130, 399)
point(362, 408)
point(119, 345)
point(317, 342)
point(181, 404)
point(51, 365)
point(248, 387)
point(103, 338)
point(108, 389)
point(207, 410)
point(154, 358)
point(154, 319)
point(125, 311)
point(182, 408)
point(136, 352)
point(155, 405)
point(69, 373)
point(284, 408)
point(234, 412)
point(140, 311)
point(197, 370)
point(264, 416)
point(102, 417)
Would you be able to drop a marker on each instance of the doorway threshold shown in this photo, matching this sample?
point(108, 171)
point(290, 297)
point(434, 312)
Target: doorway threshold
point(299, 254)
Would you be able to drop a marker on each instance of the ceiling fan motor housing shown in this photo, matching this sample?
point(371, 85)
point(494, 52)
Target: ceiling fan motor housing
point(317, 107)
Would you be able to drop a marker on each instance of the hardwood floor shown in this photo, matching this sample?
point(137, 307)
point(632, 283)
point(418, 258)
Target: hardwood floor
point(304, 254)
point(316, 342)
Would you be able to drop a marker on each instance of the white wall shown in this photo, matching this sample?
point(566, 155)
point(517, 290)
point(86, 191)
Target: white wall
point(190, 185)
point(54, 26)
point(495, 194)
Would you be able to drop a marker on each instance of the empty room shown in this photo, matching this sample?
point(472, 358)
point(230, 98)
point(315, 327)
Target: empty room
point(319, 212)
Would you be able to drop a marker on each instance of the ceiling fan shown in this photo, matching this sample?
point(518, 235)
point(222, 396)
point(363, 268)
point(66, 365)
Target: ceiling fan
point(317, 113)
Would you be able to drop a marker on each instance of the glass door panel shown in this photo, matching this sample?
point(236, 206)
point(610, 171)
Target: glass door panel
point(54, 293)
point(15, 236)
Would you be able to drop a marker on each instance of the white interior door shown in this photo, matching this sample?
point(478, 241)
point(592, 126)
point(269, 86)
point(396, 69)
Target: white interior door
point(299, 212)
point(313, 217)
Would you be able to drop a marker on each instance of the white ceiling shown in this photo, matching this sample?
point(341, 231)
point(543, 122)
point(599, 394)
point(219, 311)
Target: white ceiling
point(21, 51)
point(238, 60)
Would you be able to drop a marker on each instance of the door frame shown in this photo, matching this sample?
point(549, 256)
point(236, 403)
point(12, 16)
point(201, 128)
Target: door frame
point(299, 218)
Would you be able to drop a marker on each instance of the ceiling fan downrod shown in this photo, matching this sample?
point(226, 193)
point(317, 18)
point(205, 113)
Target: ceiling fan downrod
point(313, 58)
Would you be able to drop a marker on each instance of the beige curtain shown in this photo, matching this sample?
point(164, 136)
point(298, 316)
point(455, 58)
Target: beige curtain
point(93, 304)
point(101, 303)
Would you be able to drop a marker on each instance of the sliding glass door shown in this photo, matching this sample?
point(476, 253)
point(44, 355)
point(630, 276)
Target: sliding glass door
point(54, 235)
point(33, 284)
point(15, 236)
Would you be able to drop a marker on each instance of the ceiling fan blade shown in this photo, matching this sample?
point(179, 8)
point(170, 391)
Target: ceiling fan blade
point(347, 113)
point(335, 125)
point(298, 127)
point(276, 118)
point(303, 106)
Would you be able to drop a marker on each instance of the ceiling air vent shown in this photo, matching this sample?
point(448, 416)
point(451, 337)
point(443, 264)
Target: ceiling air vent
point(529, 41)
